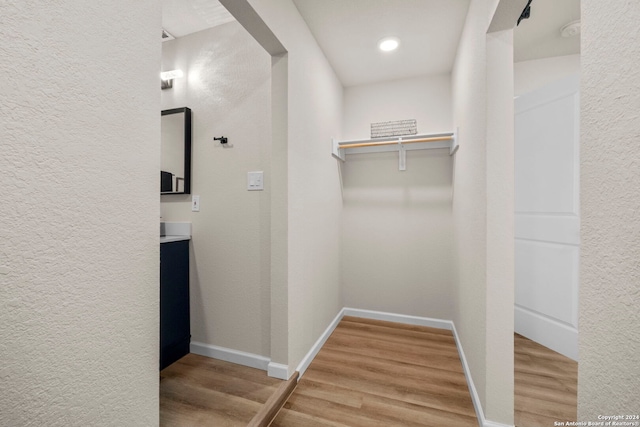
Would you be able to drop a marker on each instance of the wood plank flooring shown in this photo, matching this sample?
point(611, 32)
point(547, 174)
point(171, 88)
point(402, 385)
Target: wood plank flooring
point(546, 385)
point(369, 373)
point(200, 391)
point(379, 374)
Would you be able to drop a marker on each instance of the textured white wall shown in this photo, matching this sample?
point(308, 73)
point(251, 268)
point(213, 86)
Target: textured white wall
point(469, 201)
point(534, 74)
point(397, 225)
point(79, 255)
point(483, 208)
point(609, 369)
point(500, 183)
point(314, 200)
point(227, 86)
point(426, 99)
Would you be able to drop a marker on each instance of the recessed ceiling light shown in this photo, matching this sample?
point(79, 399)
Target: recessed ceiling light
point(388, 44)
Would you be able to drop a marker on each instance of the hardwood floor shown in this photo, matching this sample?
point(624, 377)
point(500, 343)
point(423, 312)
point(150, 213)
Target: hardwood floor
point(199, 391)
point(368, 374)
point(371, 373)
point(545, 385)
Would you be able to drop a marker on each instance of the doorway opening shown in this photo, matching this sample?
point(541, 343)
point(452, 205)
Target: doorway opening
point(547, 214)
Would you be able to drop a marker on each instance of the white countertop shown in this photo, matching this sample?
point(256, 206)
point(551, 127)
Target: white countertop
point(168, 239)
point(175, 231)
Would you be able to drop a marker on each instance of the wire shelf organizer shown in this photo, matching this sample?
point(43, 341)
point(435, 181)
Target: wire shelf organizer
point(400, 144)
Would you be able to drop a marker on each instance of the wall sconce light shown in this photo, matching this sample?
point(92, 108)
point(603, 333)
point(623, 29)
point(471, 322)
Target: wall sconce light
point(166, 78)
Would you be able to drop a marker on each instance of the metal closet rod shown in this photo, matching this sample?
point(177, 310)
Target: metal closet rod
point(409, 141)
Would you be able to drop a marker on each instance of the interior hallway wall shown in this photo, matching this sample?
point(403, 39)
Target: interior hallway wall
point(314, 203)
point(469, 211)
point(79, 252)
point(483, 207)
point(397, 225)
point(609, 341)
point(227, 85)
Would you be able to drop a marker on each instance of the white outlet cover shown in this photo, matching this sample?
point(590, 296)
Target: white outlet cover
point(195, 204)
point(255, 181)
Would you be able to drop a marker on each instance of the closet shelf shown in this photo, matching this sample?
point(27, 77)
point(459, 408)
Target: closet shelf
point(400, 144)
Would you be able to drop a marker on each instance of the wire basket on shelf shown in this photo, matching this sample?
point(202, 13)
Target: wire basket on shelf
point(394, 128)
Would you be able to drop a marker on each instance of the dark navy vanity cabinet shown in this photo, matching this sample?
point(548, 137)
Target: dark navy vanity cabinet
point(175, 334)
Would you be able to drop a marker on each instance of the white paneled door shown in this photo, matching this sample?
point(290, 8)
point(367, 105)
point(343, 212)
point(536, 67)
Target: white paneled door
point(547, 217)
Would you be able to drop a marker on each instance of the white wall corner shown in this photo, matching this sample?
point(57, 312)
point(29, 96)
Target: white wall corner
point(278, 370)
point(229, 355)
point(306, 361)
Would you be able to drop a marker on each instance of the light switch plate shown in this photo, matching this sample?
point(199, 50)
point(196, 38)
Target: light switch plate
point(255, 181)
point(195, 204)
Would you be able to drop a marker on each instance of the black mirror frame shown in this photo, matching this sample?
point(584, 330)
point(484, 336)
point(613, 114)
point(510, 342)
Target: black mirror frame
point(187, 147)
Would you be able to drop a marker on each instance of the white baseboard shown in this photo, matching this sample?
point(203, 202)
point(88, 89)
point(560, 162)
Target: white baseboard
point(311, 354)
point(275, 370)
point(472, 388)
point(467, 373)
point(229, 355)
point(544, 330)
point(488, 423)
point(398, 318)
point(278, 370)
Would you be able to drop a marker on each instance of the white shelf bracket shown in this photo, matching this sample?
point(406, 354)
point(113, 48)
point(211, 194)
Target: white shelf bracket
point(336, 151)
point(455, 143)
point(402, 156)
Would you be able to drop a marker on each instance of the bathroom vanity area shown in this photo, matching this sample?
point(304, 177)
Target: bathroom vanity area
point(175, 179)
point(175, 331)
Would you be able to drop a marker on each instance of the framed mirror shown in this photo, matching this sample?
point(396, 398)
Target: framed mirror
point(175, 160)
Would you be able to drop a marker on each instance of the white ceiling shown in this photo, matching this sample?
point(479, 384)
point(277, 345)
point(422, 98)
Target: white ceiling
point(348, 32)
point(429, 31)
point(183, 17)
point(539, 36)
